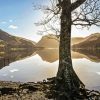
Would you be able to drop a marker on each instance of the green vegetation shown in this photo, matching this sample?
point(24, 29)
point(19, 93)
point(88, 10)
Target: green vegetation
point(17, 49)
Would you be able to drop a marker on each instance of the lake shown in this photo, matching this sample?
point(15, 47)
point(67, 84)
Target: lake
point(41, 64)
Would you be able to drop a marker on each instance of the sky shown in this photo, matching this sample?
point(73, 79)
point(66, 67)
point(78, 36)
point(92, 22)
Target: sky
point(17, 17)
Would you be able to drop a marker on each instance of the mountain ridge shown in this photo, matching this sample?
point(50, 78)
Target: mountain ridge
point(8, 41)
point(91, 41)
point(51, 41)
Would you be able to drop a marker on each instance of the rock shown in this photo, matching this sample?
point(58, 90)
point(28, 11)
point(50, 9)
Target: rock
point(6, 90)
point(29, 87)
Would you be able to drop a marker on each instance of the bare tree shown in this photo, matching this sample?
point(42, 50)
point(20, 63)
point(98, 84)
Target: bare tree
point(66, 13)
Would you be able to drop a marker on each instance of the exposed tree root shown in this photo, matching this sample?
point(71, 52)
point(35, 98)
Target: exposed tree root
point(82, 94)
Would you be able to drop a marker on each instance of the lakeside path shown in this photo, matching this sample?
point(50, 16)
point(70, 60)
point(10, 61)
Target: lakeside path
point(23, 91)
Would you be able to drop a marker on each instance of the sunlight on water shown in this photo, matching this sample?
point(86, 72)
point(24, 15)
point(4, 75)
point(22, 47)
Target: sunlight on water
point(98, 73)
point(30, 69)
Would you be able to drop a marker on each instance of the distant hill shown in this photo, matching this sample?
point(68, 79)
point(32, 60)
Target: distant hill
point(76, 40)
point(92, 41)
point(51, 41)
point(11, 42)
point(48, 41)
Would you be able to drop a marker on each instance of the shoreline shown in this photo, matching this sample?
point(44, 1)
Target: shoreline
point(40, 91)
point(23, 91)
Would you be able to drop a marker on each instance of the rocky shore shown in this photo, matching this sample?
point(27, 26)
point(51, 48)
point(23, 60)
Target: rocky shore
point(23, 91)
point(41, 91)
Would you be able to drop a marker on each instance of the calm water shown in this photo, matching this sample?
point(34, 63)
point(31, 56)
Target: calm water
point(41, 64)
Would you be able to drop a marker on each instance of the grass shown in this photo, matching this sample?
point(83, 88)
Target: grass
point(17, 49)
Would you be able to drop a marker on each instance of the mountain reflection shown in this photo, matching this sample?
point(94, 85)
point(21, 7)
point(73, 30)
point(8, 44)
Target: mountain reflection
point(90, 54)
point(51, 55)
point(48, 55)
point(7, 58)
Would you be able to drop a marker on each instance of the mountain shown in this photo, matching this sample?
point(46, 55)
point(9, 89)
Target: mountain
point(92, 41)
point(51, 41)
point(8, 41)
point(48, 41)
point(76, 40)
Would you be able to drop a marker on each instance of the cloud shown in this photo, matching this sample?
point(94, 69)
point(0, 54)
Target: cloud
point(12, 26)
point(10, 20)
point(13, 70)
point(3, 22)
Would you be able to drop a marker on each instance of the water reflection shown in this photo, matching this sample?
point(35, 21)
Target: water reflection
point(90, 54)
point(7, 58)
point(49, 55)
point(88, 72)
point(43, 63)
point(29, 66)
point(52, 55)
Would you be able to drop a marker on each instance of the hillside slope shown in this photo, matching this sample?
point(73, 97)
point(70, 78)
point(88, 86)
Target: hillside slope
point(92, 41)
point(76, 40)
point(8, 41)
point(48, 41)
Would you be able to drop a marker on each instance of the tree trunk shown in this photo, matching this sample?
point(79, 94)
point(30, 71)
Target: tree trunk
point(67, 80)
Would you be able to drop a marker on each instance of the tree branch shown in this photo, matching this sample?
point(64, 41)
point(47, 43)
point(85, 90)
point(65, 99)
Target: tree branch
point(76, 4)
